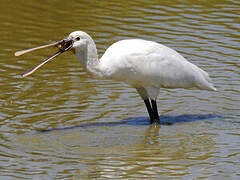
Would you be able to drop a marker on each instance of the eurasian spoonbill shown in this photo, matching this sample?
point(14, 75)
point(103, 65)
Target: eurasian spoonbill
point(145, 65)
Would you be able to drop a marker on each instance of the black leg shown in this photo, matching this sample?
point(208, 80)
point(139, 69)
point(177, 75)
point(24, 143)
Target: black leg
point(155, 112)
point(150, 111)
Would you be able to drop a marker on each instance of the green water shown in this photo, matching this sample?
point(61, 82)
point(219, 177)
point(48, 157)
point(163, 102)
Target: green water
point(101, 126)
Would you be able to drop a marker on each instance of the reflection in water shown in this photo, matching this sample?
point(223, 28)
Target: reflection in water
point(112, 137)
point(149, 152)
point(165, 120)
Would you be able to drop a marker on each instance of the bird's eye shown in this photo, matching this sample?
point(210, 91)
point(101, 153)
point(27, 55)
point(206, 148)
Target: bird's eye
point(77, 38)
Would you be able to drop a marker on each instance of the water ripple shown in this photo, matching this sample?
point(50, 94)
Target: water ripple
point(118, 143)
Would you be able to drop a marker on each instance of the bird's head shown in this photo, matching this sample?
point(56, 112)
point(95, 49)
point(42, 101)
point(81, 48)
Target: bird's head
point(83, 46)
point(78, 42)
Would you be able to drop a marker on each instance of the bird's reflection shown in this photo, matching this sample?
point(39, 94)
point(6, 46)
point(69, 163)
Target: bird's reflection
point(141, 121)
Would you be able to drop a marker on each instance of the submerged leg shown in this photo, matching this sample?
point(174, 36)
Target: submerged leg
point(155, 112)
point(151, 105)
point(150, 110)
point(144, 95)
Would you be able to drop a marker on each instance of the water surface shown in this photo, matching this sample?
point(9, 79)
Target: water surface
point(99, 128)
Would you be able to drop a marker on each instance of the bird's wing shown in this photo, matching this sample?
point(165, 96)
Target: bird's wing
point(147, 63)
point(164, 67)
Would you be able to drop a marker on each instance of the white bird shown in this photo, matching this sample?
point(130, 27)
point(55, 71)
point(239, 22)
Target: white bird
point(145, 65)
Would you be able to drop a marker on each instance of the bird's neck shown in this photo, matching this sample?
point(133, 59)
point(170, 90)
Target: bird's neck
point(89, 58)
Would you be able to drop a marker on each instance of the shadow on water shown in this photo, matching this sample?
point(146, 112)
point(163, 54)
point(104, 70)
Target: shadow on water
point(141, 121)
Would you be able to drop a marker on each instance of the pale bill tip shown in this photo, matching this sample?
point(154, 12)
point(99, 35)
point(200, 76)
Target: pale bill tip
point(18, 53)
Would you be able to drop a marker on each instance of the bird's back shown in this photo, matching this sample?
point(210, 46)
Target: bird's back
point(146, 63)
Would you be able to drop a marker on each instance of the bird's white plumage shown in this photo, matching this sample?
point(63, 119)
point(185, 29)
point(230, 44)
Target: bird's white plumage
point(145, 65)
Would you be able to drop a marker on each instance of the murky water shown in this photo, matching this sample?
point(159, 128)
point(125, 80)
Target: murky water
point(101, 126)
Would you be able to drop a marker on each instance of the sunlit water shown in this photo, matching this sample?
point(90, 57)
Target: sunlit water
point(60, 123)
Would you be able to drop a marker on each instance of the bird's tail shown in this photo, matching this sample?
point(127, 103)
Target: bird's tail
point(207, 81)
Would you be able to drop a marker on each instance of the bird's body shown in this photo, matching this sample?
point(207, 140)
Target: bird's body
point(145, 65)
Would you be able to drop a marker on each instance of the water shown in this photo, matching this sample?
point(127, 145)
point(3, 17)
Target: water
point(99, 129)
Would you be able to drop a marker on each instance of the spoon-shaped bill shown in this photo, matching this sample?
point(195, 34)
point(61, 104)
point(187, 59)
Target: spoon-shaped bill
point(30, 71)
point(19, 53)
